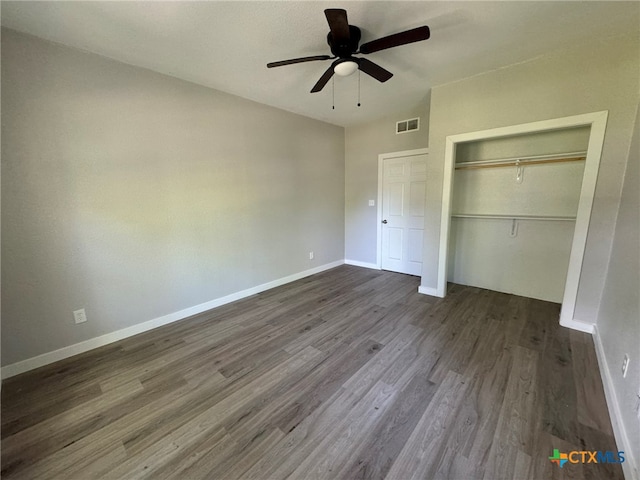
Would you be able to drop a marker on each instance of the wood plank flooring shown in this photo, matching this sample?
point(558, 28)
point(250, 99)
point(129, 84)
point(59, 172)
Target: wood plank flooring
point(348, 374)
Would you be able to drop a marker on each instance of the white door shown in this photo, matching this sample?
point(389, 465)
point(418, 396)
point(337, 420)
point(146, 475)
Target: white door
point(404, 182)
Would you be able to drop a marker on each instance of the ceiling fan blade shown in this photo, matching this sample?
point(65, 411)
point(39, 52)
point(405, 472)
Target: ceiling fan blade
point(298, 60)
point(338, 24)
point(375, 70)
point(397, 39)
point(326, 76)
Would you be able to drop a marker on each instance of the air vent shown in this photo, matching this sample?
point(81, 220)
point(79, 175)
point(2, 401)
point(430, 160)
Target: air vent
point(410, 125)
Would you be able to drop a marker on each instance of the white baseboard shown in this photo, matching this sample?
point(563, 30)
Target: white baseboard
point(356, 263)
point(629, 466)
point(578, 325)
point(66, 352)
point(428, 291)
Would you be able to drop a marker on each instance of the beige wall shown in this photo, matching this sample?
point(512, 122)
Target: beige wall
point(136, 195)
point(619, 316)
point(363, 144)
point(603, 75)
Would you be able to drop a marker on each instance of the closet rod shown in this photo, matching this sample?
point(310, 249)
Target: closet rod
point(522, 163)
point(511, 162)
point(514, 217)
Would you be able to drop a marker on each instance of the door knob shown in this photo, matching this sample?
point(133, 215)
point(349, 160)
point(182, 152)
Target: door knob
point(384, 221)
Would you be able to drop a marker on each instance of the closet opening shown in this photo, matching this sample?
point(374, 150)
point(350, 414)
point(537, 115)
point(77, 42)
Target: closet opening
point(516, 208)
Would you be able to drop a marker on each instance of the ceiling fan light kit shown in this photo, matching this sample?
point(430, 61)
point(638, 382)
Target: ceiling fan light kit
point(343, 40)
point(345, 68)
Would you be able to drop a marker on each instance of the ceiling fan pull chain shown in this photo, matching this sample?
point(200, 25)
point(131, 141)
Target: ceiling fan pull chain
point(333, 93)
point(358, 87)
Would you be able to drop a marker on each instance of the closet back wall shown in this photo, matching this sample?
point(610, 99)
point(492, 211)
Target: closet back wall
point(136, 195)
point(527, 257)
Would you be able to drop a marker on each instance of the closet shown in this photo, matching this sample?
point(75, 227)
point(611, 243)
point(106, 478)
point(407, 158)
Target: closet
point(514, 205)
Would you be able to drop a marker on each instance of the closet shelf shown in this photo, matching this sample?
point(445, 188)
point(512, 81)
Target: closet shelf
point(523, 161)
point(514, 217)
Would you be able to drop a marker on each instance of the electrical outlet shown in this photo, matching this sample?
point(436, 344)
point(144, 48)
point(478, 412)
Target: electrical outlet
point(372, 203)
point(80, 316)
point(310, 255)
point(625, 365)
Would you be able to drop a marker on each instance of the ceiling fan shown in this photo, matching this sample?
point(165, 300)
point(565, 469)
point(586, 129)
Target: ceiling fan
point(343, 40)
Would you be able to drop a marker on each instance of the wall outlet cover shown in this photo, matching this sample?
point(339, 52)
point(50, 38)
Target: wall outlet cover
point(79, 316)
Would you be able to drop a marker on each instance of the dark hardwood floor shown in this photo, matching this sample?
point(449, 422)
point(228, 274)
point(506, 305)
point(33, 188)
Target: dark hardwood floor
point(347, 374)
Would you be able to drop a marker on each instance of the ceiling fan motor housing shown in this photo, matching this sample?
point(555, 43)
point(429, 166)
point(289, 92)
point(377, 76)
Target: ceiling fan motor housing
point(347, 47)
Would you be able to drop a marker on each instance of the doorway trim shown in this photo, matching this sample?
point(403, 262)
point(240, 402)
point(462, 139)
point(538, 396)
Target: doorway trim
point(381, 158)
point(598, 122)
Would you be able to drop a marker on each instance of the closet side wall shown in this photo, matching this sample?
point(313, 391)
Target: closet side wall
point(527, 257)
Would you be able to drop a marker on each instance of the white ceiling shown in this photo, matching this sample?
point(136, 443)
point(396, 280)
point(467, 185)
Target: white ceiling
point(226, 45)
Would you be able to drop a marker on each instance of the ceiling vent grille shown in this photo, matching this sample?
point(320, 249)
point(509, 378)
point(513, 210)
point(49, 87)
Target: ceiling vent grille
point(410, 125)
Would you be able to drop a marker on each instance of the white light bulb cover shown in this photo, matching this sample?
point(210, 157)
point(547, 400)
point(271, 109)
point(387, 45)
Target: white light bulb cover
point(345, 68)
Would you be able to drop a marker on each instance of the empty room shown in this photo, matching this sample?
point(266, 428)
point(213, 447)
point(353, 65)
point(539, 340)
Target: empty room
point(319, 240)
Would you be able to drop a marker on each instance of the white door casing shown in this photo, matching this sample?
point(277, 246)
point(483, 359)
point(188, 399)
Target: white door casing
point(401, 201)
